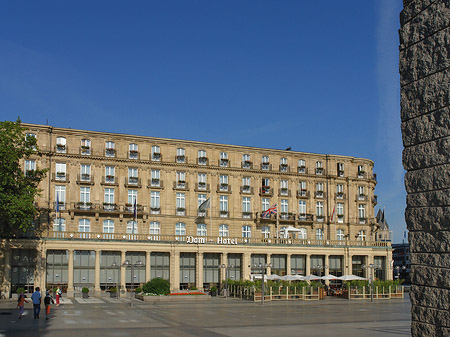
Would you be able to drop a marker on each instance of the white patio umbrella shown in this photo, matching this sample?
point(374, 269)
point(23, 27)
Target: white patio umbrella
point(312, 278)
point(351, 278)
point(289, 278)
point(329, 277)
point(273, 277)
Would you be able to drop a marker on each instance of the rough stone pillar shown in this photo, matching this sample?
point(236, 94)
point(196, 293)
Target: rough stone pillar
point(97, 289)
point(425, 115)
point(70, 289)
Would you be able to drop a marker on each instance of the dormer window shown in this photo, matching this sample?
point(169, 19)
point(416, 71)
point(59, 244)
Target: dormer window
point(133, 152)
point(60, 145)
point(110, 149)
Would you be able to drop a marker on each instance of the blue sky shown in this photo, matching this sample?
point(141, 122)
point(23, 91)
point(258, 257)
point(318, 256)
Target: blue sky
point(317, 76)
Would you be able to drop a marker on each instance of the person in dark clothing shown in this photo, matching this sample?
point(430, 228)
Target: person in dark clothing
point(48, 300)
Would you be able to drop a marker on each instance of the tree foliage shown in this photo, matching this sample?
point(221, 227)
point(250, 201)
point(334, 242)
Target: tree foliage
point(17, 188)
point(157, 286)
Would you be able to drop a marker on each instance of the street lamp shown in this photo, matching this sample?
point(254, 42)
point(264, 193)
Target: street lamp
point(397, 268)
point(223, 266)
point(126, 264)
point(262, 267)
point(371, 267)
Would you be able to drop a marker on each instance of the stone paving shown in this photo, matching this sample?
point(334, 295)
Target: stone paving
point(218, 317)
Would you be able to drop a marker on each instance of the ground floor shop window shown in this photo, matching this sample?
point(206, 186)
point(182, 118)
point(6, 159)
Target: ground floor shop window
point(23, 262)
point(256, 260)
point(278, 264)
point(57, 269)
point(336, 269)
point(83, 269)
point(235, 272)
point(109, 269)
point(380, 263)
point(211, 269)
point(160, 265)
point(298, 265)
point(187, 270)
point(135, 270)
point(318, 265)
point(357, 265)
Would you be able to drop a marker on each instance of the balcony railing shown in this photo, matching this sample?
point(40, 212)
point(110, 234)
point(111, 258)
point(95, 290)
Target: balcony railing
point(60, 148)
point(340, 195)
point(62, 205)
point(181, 159)
point(224, 188)
point(180, 185)
point(60, 177)
point(84, 206)
point(109, 180)
point(155, 183)
point(223, 162)
point(85, 150)
point(247, 164)
point(132, 182)
point(284, 192)
point(266, 167)
point(361, 197)
point(202, 160)
point(320, 170)
point(319, 194)
point(132, 154)
point(302, 194)
point(266, 191)
point(164, 239)
point(247, 215)
point(202, 187)
point(302, 169)
point(110, 152)
point(85, 179)
point(109, 207)
point(224, 214)
point(156, 156)
point(284, 168)
point(246, 189)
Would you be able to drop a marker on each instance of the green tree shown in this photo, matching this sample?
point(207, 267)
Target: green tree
point(17, 188)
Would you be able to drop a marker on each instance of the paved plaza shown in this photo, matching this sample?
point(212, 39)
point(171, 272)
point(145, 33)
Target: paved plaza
point(218, 317)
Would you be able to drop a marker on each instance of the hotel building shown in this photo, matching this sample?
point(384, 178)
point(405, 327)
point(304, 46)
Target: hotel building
point(99, 238)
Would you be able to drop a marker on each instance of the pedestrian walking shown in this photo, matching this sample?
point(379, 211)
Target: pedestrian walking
point(58, 295)
point(36, 298)
point(48, 300)
point(21, 303)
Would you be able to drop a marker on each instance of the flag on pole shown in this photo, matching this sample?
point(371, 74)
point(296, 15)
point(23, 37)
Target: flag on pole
point(135, 209)
point(205, 205)
point(57, 204)
point(332, 214)
point(271, 210)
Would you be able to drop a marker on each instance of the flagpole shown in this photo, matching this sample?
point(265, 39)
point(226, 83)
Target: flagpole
point(210, 213)
point(278, 222)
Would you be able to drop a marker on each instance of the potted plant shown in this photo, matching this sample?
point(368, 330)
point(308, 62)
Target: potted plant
point(85, 292)
point(213, 291)
point(113, 292)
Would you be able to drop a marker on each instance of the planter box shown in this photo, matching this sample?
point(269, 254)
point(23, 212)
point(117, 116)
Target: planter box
point(85, 295)
point(175, 298)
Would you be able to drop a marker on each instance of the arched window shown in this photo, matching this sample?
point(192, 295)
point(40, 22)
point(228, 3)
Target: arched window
point(132, 227)
point(201, 229)
point(319, 234)
point(84, 226)
point(108, 226)
point(340, 234)
point(59, 225)
point(180, 229)
point(223, 230)
point(361, 236)
point(246, 231)
point(154, 228)
point(303, 234)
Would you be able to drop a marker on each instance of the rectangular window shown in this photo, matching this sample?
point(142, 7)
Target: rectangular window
point(265, 204)
point(109, 196)
point(319, 190)
point(154, 200)
point(340, 212)
point(180, 229)
point(302, 188)
point(156, 153)
point(154, 228)
point(246, 231)
point(181, 201)
point(202, 159)
point(61, 145)
point(301, 166)
point(156, 178)
point(284, 206)
point(110, 149)
point(340, 169)
point(60, 169)
point(132, 196)
point(85, 147)
point(319, 168)
point(201, 229)
point(302, 209)
point(283, 165)
point(246, 205)
point(85, 194)
point(223, 183)
point(30, 166)
point(339, 191)
point(362, 213)
point(133, 152)
point(265, 232)
point(108, 226)
point(60, 195)
point(246, 163)
point(223, 159)
point(319, 209)
point(223, 230)
point(224, 205)
point(132, 176)
point(85, 171)
point(110, 174)
point(181, 157)
point(202, 181)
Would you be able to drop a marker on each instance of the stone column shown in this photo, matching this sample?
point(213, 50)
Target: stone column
point(326, 268)
point(97, 289)
point(288, 264)
point(147, 266)
point(246, 271)
point(123, 270)
point(269, 270)
point(70, 288)
point(199, 271)
point(174, 270)
point(7, 265)
point(308, 264)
